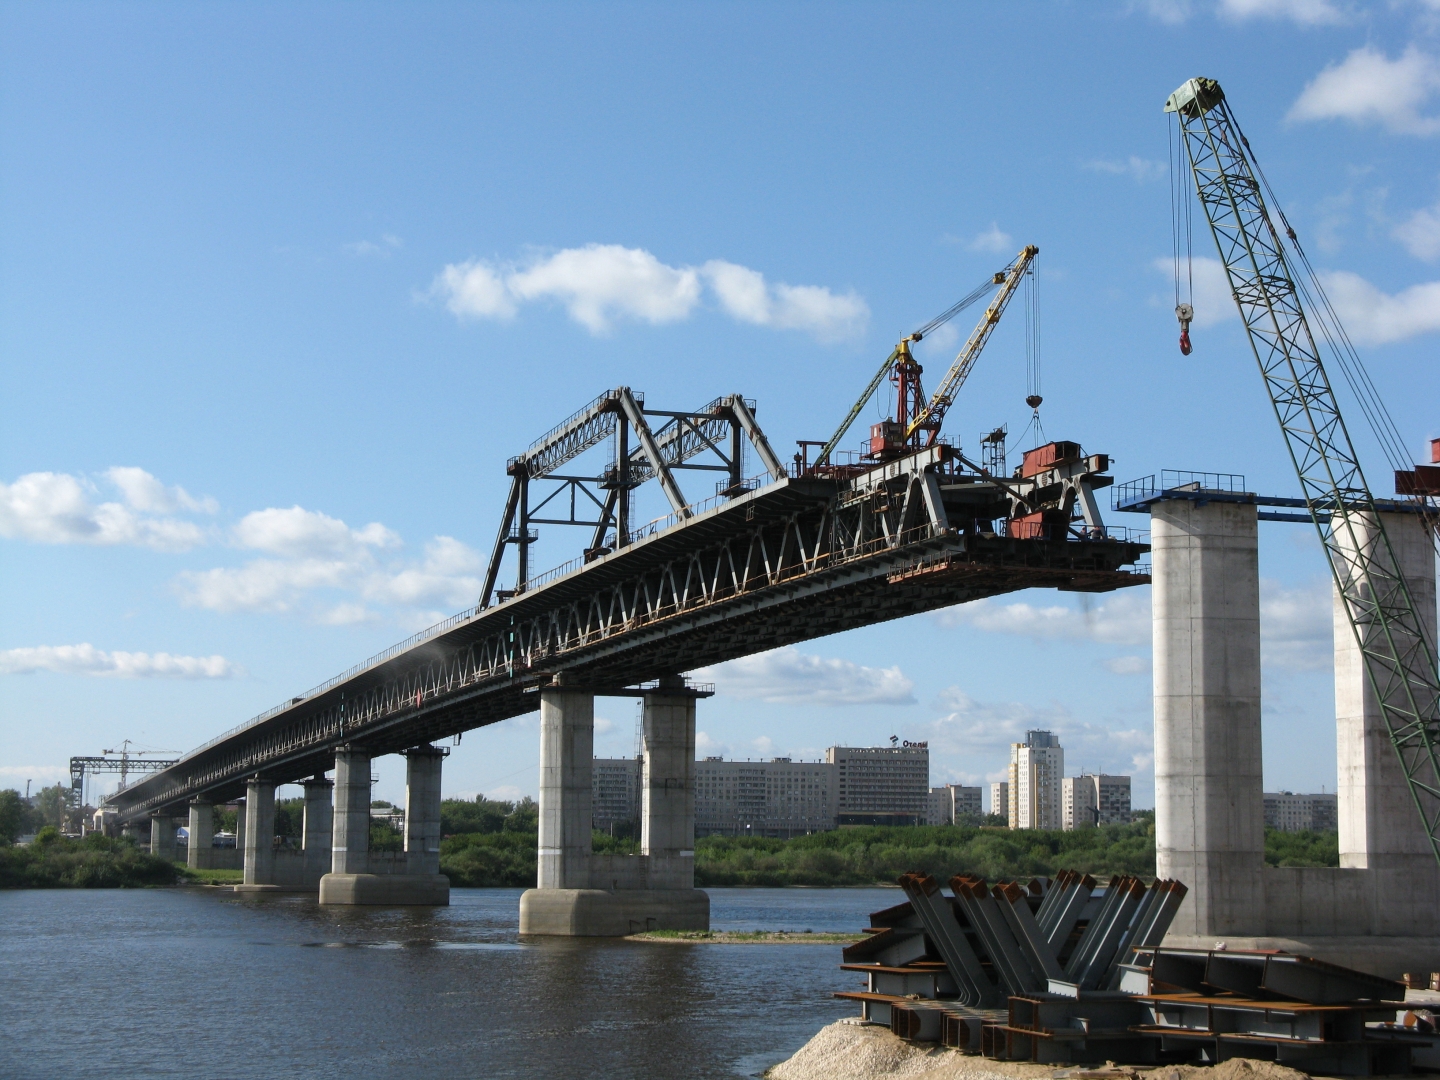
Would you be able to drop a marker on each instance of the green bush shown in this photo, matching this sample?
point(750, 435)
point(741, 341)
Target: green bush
point(1301, 848)
point(96, 862)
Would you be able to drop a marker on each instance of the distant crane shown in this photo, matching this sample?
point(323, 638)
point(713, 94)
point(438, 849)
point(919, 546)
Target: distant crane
point(915, 419)
point(1399, 663)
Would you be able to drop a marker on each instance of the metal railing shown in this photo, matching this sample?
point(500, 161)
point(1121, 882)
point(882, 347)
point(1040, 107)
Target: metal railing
point(1151, 487)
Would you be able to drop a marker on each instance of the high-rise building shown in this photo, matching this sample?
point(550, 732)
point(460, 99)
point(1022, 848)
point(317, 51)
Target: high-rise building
point(1000, 799)
point(1289, 812)
point(882, 785)
point(1036, 768)
point(780, 797)
point(614, 792)
point(950, 803)
point(1089, 800)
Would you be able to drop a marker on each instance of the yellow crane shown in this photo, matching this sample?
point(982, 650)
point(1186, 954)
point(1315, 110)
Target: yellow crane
point(912, 418)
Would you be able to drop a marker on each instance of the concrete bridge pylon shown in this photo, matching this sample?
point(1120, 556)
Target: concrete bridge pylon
point(1379, 911)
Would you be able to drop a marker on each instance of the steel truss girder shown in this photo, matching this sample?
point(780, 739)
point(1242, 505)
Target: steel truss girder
point(788, 563)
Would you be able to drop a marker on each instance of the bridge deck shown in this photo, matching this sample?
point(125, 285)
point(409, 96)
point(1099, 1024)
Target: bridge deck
point(795, 560)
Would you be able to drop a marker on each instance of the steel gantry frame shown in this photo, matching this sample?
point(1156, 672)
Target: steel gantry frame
point(620, 414)
point(1399, 662)
point(792, 560)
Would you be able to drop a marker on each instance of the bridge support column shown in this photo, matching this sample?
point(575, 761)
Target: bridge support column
point(240, 828)
point(259, 837)
point(422, 810)
point(584, 895)
point(201, 828)
point(318, 828)
point(162, 836)
point(1209, 812)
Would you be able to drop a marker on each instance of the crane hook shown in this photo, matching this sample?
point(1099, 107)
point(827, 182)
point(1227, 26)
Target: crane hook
point(1184, 312)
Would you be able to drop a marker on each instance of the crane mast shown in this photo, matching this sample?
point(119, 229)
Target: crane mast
point(1399, 663)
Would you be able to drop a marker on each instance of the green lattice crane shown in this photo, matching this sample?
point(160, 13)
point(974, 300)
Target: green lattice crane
point(1399, 661)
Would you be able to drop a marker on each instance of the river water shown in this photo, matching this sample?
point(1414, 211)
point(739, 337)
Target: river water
point(201, 983)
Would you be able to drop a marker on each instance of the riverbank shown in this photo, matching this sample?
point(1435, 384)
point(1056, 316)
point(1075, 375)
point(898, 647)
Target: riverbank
point(853, 1050)
point(96, 862)
point(743, 937)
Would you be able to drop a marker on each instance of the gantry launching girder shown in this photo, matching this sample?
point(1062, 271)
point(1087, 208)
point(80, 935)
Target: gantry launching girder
point(793, 559)
point(1399, 662)
point(719, 427)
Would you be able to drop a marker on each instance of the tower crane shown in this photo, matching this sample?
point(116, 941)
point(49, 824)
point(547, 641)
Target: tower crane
point(1399, 663)
point(914, 417)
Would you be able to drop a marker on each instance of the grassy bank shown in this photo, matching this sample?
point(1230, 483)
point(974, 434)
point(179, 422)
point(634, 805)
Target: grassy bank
point(96, 862)
point(869, 856)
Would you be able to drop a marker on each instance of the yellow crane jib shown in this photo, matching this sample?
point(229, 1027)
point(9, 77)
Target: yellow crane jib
point(1009, 280)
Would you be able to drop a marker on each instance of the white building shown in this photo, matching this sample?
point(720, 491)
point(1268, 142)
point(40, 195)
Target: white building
point(1000, 799)
point(615, 792)
point(1289, 812)
point(882, 785)
point(1036, 768)
point(950, 803)
point(1089, 800)
point(779, 797)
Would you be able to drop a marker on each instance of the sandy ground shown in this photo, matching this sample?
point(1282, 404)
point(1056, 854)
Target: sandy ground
point(852, 1050)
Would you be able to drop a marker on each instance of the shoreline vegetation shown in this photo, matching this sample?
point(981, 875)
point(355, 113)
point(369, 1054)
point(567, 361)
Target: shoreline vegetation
point(490, 844)
point(744, 937)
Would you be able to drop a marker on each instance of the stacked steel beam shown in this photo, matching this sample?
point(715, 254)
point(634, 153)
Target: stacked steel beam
point(1065, 971)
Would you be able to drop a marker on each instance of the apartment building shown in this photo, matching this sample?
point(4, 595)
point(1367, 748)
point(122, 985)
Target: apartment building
point(1036, 768)
point(1088, 800)
point(1289, 812)
point(882, 785)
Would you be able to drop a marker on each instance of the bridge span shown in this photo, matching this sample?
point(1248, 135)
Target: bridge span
point(796, 554)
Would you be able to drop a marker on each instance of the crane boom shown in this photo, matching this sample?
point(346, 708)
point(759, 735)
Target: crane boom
point(1009, 280)
point(1399, 663)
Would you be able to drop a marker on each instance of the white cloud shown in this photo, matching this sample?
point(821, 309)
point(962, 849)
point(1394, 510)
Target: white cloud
point(474, 290)
point(1368, 87)
point(602, 283)
point(1170, 12)
point(1420, 233)
point(789, 676)
point(1137, 168)
point(1209, 288)
point(1304, 12)
point(39, 773)
point(1123, 618)
point(300, 533)
point(1375, 318)
point(363, 248)
point(1296, 626)
point(505, 793)
point(991, 239)
point(88, 660)
point(57, 508)
point(744, 294)
point(1127, 665)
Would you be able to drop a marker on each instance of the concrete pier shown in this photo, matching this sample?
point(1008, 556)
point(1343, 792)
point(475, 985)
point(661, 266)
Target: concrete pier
point(259, 837)
point(352, 879)
point(422, 809)
point(1209, 807)
point(1379, 911)
point(162, 836)
point(201, 828)
point(240, 827)
point(584, 895)
point(318, 829)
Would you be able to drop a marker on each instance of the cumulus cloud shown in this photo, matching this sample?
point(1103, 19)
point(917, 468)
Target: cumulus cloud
point(87, 660)
point(370, 249)
point(57, 508)
point(1127, 665)
point(1296, 625)
point(1123, 618)
point(600, 284)
point(745, 295)
point(788, 675)
point(986, 729)
point(1373, 317)
point(1137, 168)
point(333, 572)
point(992, 239)
point(1420, 233)
point(1303, 12)
point(1369, 88)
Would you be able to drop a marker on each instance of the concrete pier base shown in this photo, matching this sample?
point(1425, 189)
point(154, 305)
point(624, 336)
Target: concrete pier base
point(199, 854)
point(601, 913)
point(382, 890)
point(162, 836)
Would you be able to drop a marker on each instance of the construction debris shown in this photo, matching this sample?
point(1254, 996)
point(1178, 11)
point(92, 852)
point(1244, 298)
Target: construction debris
point(1064, 971)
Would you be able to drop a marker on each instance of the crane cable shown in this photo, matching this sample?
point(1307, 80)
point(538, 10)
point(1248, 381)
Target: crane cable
point(1181, 222)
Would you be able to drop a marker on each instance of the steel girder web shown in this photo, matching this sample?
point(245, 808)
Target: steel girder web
point(1399, 662)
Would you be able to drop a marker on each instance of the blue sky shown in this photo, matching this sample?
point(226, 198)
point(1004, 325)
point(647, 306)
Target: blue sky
point(282, 287)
